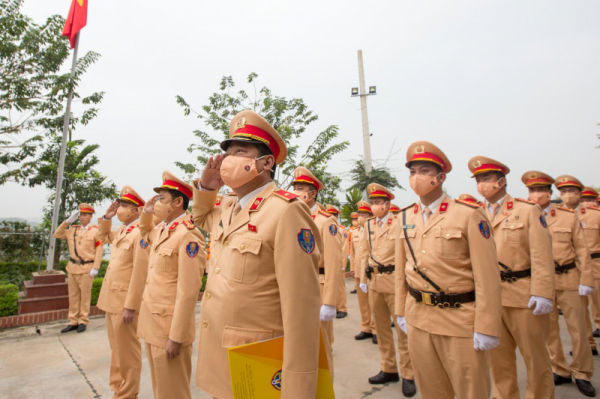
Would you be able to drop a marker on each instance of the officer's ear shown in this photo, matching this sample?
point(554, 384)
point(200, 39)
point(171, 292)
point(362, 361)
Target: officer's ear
point(441, 177)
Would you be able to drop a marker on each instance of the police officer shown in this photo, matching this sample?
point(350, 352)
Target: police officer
point(447, 286)
point(589, 214)
point(265, 281)
point(85, 255)
point(342, 303)
point(526, 270)
point(378, 259)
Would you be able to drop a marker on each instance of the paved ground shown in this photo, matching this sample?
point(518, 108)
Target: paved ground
point(51, 365)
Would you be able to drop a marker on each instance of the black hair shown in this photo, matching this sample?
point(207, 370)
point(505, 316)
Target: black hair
point(500, 176)
point(178, 194)
point(264, 150)
point(438, 168)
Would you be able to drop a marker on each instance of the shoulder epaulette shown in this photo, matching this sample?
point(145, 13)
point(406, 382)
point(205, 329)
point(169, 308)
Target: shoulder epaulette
point(325, 213)
point(594, 208)
point(286, 195)
point(75, 226)
point(524, 200)
point(408, 207)
point(189, 224)
point(563, 208)
point(371, 218)
point(467, 203)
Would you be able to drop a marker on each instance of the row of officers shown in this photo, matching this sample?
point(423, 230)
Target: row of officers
point(464, 283)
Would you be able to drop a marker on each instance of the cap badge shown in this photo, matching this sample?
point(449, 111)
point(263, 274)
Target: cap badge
point(564, 180)
point(533, 176)
point(125, 191)
point(241, 123)
point(373, 189)
point(476, 164)
point(420, 149)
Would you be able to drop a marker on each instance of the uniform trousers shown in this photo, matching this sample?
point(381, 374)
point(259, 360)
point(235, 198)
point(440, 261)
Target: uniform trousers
point(596, 303)
point(446, 367)
point(522, 329)
point(588, 322)
point(582, 366)
point(367, 321)
point(125, 356)
point(170, 378)
point(342, 303)
point(383, 309)
point(80, 296)
point(327, 332)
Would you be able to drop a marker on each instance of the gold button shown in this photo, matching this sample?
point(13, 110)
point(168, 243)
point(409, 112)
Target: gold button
point(151, 266)
point(424, 269)
point(204, 324)
point(447, 235)
point(242, 247)
point(162, 311)
point(426, 286)
point(226, 242)
point(424, 251)
point(424, 235)
point(217, 270)
point(146, 283)
point(378, 247)
point(208, 295)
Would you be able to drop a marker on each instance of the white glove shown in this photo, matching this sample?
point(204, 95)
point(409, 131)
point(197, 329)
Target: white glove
point(328, 312)
point(542, 305)
point(484, 342)
point(401, 321)
point(73, 217)
point(363, 288)
point(348, 257)
point(585, 290)
point(93, 272)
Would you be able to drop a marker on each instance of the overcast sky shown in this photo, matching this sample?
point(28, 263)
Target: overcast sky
point(516, 81)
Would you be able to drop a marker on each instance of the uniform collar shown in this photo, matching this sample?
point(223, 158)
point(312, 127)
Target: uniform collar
point(134, 222)
point(173, 221)
point(245, 200)
point(433, 206)
point(312, 210)
point(86, 227)
point(384, 219)
point(500, 201)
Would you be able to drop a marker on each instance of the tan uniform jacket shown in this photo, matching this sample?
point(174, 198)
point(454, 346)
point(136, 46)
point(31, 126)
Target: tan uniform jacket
point(331, 257)
point(345, 246)
point(457, 252)
point(380, 248)
point(175, 266)
point(523, 242)
point(83, 245)
point(590, 221)
point(264, 285)
point(356, 237)
point(569, 245)
point(123, 284)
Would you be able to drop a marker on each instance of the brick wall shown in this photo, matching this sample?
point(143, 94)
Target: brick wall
point(31, 319)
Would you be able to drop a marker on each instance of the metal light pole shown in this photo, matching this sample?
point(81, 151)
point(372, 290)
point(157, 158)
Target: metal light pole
point(363, 108)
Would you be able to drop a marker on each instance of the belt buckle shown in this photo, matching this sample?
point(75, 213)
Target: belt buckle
point(426, 297)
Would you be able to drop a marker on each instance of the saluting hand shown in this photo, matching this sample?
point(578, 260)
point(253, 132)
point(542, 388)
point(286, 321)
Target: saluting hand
point(211, 175)
point(112, 210)
point(149, 207)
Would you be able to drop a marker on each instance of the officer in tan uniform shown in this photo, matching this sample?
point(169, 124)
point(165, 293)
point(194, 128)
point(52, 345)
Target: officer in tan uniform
point(265, 280)
point(574, 278)
point(122, 290)
point(526, 269)
point(307, 187)
point(446, 255)
point(367, 325)
point(176, 263)
point(379, 263)
point(342, 303)
point(589, 215)
point(85, 255)
point(208, 267)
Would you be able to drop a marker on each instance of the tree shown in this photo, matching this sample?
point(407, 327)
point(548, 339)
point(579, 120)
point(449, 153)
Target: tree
point(289, 117)
point(380, 174)
point(327, 195)
point(81, 182)
point(32, 91)
point(353, 196)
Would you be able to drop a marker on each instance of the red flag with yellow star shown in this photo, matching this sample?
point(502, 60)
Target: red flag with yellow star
point(76, 20)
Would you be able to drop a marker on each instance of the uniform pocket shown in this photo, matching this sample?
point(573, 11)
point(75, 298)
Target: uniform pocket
point(244, 263)
point(513, 232)
point(236, 336)
point(562, 234)
point(118, 293)
point(165, 262)
point(448, 243)
point(162, 316)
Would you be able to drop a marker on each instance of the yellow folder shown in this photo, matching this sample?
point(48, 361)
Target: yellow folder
point(256, 370)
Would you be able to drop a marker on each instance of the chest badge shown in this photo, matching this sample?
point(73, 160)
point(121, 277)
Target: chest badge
point(143, 244)
point(306, 239)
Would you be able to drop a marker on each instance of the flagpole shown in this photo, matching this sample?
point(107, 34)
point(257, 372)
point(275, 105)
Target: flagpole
point(61, 164)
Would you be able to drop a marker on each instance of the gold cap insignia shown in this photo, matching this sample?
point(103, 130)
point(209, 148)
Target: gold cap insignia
point(462, 197)
point(533, 176)
point(125, 191)
point(373, 189)
point(241, 123)
point(420, 149)
point(477, 164)
point(564, 180)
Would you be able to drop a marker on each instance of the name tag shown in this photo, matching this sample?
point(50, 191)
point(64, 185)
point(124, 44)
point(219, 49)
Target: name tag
point(408, 226)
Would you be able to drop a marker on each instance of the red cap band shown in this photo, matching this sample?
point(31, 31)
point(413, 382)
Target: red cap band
point(540, 181)
point(378, 193)
point(173, 185)
point(429, 157)
point(133, 198)
point(258, 134)
point(308, 180)
point(568, 183)
point(489, 167)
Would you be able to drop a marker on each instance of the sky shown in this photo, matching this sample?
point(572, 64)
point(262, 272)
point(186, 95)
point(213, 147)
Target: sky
point(515, 81)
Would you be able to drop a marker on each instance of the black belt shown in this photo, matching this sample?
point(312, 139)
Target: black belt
point(596, 255)
point(441, 300)
point(321, 270)
point(80, 262)
point(383, 269)
point(564, 268)
point(511, 277)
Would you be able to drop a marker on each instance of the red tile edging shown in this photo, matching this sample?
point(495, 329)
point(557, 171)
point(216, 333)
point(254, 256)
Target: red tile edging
point(30, 319)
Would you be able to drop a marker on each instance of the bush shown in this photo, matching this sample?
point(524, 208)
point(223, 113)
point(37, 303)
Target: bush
point(203, 283)
point(17, 272)
point(96, 290)
point(8, 299)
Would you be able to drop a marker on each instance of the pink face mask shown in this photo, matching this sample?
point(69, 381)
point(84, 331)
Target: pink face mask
point(488, 189)
point(378, 210)
point(237, 171)
point(305, 196)
point(422, 184)
point(540, 198)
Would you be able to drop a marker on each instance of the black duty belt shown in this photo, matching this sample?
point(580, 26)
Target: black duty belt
point(383, 269)
point(441, 300)
point(596, 255)
point(80, 262)
point(511, 276)
point(564, 269)
point(321, 270)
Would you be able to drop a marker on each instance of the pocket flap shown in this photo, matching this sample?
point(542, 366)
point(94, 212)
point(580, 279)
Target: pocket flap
point(246, 244)
point(236, 336)
point(513, 226)
point(412, 233)
point(562, 229)
point(165, 251)
point(448, 233)
point(163, 310)
point(118, 286)
point(590, 227)
point(126, 246)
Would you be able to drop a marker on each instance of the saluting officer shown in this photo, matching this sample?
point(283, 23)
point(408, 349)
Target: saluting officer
point(85, 255)
point(367, 325)
point(447, 285)
point(307, 187)
point(574, 278)
point(176, 262)
point(526, 270)
point(378, 259)
point(342, 303)
point(589, 214)
point(264, 283)
point(122, 290)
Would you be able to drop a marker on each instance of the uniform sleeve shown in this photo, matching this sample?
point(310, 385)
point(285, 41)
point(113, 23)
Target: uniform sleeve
point(105, 234)
point(400, 255)
point(61, 231)
point(583, 254)
point(98, 255)
point(345, 253)
point(484, 261)
point(206, 214)
point(353, 255)
point(542, 262)
point(189, 280)
point(141, 253)
point(365, 249)
point(296, 274)
point(332, 253)
point(146, 223)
